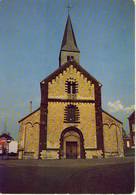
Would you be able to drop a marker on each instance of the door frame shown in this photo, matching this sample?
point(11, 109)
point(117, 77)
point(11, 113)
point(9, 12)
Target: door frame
point(82, 150)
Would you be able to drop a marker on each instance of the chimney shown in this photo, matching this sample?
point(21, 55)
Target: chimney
point(30, 106)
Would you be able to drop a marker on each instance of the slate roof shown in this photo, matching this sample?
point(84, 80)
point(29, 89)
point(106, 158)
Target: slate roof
point(69, 41)
point(6, 135)
point(112, 116)
point(28, 115)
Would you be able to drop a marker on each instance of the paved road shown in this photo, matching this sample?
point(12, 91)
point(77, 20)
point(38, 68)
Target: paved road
point(67, 176)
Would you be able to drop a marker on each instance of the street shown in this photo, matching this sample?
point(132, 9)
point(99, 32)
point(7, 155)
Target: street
point(67, 176)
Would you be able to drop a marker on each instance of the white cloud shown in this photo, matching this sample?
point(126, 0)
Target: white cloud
point(129, 108)
point(117, 106)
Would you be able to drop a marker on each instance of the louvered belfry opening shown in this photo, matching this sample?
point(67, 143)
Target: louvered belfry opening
point(71, 114)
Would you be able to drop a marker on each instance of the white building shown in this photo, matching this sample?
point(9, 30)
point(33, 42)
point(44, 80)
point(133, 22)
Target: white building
point(13, 147)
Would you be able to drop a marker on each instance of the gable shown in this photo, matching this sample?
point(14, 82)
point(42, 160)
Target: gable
point(109, 119)
point(65, 66)
point(58, 87)
point(31, 116)
point(55, 82)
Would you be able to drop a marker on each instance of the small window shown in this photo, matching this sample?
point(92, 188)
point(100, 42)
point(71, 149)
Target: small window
point(70, 58)
point(71, 114)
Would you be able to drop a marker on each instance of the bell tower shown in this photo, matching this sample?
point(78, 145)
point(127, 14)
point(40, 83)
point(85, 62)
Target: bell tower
point(69, 50)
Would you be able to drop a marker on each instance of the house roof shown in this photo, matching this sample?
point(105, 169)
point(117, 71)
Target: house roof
point(65, 66)
point(28, 115)
point(112, 116)
point(6, 135)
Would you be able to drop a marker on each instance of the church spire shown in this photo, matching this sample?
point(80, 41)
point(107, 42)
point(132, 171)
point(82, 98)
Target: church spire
point(69, 41)
point(69, 49)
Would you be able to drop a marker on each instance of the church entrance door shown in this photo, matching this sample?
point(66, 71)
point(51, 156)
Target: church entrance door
point(71, 144)
point(71, 150)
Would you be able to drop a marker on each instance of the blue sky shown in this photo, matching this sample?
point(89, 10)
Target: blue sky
point(31, 32)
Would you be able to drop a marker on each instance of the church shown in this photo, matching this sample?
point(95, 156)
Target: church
point(70, 122)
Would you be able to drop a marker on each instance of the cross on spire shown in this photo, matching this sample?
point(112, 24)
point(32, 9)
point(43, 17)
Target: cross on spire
point(69, 7)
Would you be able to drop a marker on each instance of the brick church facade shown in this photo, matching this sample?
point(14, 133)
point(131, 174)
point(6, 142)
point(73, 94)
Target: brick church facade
point(70, 122)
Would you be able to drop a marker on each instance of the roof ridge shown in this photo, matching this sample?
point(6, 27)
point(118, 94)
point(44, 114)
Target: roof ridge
point(112, 116)
point(29, 115)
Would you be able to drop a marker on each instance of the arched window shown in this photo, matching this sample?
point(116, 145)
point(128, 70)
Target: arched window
point(71, 114)
point(71, 86)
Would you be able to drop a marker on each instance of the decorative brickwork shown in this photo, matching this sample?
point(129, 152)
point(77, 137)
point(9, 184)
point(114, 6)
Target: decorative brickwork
point(74, 129)
point(71, 86)
point(71, 114)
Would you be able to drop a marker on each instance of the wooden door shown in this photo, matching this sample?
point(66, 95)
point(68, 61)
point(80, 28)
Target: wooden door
point(71, 150)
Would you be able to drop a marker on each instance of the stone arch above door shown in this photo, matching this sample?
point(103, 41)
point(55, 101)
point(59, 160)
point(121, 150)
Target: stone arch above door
point(74, 135)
